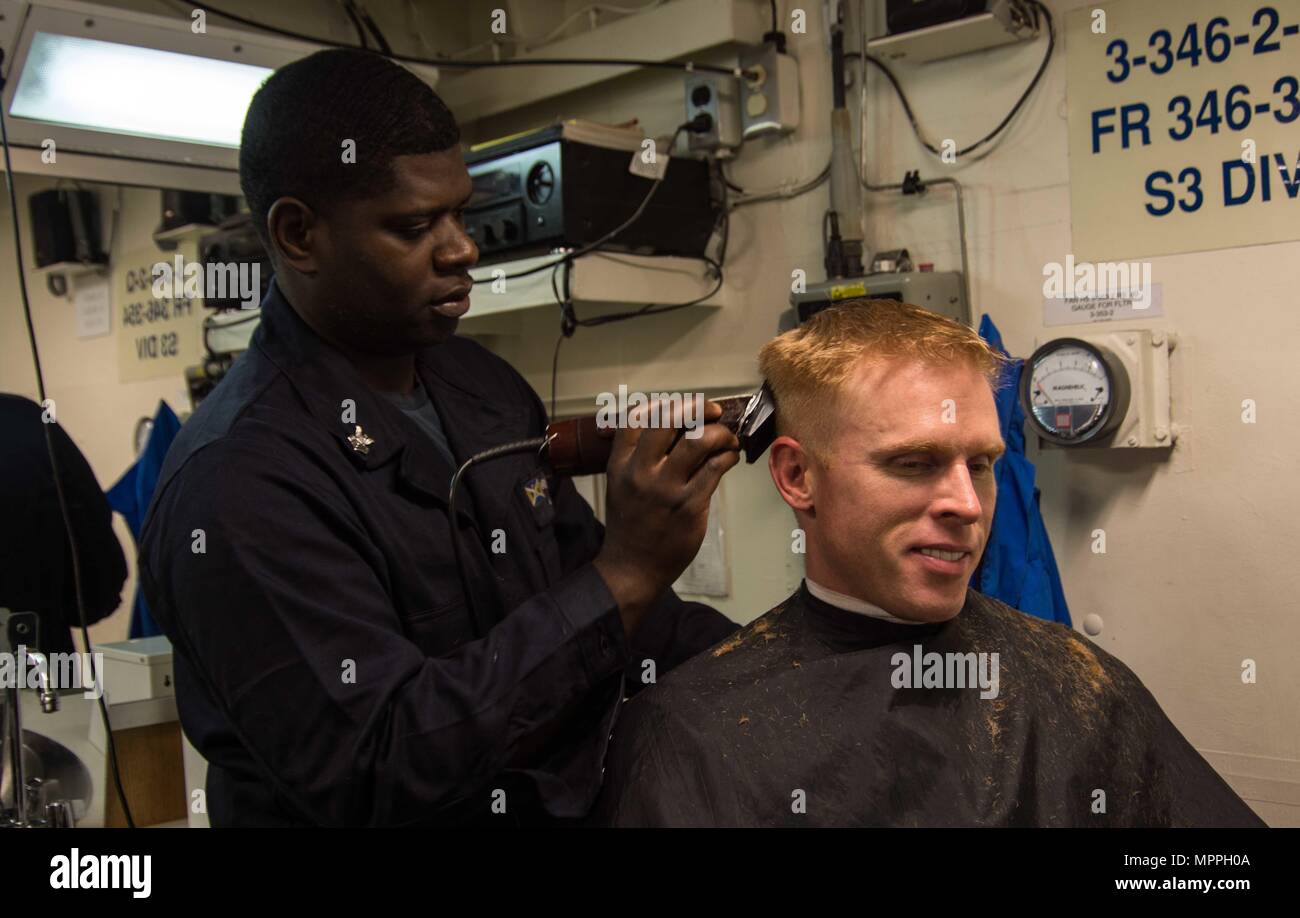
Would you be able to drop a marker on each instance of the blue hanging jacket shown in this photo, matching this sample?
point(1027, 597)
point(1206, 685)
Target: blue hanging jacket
point(132, 494)
point(1018, 565)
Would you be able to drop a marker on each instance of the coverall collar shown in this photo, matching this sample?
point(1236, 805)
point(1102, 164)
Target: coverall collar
point(340, 401)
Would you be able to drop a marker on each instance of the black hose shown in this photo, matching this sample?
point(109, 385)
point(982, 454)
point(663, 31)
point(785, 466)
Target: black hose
point(518, 446)
point(837, 68)
point(356, 24)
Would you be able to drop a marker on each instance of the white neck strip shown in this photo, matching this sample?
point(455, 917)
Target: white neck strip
point(853, 604)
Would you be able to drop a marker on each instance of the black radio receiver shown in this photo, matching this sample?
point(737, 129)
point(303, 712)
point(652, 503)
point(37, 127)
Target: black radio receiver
point(547, 190)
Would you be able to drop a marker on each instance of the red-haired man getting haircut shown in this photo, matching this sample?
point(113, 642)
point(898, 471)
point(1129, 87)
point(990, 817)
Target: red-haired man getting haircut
point(885, 691)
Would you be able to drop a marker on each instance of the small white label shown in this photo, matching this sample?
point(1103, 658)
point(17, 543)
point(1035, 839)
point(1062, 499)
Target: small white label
point(90, 297)
point(1081, 310)
point(708, 574)
point(651, 170)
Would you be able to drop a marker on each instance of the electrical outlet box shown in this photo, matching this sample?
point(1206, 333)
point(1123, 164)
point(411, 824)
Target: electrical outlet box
point(718, 97)
point(138, 669)
point(769, 103)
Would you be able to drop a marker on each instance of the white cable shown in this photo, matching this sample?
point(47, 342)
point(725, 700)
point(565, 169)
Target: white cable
point(591, 8)
point(417, 29)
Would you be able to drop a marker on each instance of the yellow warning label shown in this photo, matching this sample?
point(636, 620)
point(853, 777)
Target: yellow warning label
point(848, 291)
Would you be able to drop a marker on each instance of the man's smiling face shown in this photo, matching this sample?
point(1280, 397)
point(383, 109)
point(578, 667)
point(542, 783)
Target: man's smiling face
point(394, 267)
point(911, 468)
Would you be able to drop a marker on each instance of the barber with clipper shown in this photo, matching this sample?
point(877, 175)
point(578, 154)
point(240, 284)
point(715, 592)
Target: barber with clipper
point(298, 552)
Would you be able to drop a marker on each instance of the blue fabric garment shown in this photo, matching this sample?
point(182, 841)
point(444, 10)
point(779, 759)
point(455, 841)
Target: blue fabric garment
point(1018, 565)
point(132, 494)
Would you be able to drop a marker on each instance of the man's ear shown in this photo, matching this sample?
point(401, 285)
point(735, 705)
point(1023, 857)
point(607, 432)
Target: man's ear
point(792, 471)
point(295, 231)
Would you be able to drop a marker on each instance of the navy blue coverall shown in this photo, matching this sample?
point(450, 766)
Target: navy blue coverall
point(326, 664)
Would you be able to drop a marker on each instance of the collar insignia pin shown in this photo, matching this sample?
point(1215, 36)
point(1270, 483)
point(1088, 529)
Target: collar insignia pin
point(361, 441)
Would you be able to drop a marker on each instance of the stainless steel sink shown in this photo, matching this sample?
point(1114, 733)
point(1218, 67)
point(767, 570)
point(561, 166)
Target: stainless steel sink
point(61, 774)
point(42, 782)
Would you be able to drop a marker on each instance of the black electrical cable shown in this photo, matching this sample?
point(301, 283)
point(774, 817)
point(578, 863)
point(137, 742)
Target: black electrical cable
point(519, 446)
point(74, 554)
point(569, 322)
point(732, 185)
point(837, 68)
point(688, 66)
point(654, 309)
point(775, 36)
point(356, 23)
point(555, 369)
point(911, 116)
point(380, 40)
point(724, 221)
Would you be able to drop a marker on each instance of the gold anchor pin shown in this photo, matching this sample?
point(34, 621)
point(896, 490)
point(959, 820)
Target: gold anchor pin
point(361, 441)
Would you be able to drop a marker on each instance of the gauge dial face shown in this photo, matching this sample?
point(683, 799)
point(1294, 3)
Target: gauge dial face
point(1070, 391)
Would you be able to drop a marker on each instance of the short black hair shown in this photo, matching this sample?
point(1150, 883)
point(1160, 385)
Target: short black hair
point(292, 143)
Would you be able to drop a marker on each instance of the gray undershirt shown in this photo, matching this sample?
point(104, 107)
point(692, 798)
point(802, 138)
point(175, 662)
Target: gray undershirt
point(420, 409)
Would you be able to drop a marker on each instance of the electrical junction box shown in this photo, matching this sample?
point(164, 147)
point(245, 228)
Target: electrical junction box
point(937, 291)
point(1003, 22)
point(138, 669)
point(769, 104)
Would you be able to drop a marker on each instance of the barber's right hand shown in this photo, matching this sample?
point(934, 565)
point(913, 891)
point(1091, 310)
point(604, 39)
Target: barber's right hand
point(657, 505)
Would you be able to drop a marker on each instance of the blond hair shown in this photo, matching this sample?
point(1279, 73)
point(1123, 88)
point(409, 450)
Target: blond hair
point(809, 367)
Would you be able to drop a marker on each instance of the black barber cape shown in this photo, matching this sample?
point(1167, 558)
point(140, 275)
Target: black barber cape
point(297, 555)
point(796, 721)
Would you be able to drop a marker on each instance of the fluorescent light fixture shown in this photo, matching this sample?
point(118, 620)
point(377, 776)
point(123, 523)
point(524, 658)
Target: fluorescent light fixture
point(142, 92)
point(135, 98)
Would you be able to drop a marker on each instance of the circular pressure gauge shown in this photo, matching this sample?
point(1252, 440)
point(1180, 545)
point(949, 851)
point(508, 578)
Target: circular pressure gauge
point(143, 428)
point(1074, 392)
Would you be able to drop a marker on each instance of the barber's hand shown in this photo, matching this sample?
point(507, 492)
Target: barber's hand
point(657, 505)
